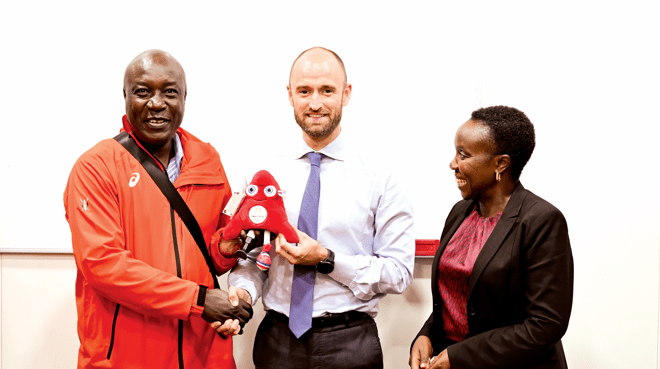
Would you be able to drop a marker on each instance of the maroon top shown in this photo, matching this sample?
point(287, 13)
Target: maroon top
point(454, 271)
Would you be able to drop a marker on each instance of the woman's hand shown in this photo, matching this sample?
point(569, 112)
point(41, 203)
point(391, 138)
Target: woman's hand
point(441, 361)
point(420, 356)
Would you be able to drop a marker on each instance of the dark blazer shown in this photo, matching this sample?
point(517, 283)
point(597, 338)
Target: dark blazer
point(520, 291)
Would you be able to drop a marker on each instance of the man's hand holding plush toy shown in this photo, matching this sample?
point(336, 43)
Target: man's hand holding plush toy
point(308, 251)
point(229, 247)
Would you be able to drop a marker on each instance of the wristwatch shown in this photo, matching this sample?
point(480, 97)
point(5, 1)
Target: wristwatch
point(327, 265)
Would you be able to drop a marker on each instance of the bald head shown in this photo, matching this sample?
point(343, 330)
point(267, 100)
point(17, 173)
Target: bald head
point(317, 55)
point(154, 58)
point(155, 96)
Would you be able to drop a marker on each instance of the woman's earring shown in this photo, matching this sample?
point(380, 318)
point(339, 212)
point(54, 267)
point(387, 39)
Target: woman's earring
point(497, 176)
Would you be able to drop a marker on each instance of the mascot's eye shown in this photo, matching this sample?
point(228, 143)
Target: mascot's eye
point(251, 190)
point(270, 191)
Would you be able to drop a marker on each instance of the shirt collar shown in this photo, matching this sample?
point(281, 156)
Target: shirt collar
point(335, 149)
point(178, 150)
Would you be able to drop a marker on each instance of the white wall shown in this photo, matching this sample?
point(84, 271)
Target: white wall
point(585, 72)
point(38, 311)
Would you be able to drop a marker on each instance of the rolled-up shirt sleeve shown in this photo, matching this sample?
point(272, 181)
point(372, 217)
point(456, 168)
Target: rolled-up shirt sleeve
point(390, 268)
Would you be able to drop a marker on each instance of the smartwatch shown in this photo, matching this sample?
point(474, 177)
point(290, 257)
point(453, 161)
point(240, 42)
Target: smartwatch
point(327, 265)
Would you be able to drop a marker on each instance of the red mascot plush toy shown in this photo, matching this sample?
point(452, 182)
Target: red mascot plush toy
point(262, 208)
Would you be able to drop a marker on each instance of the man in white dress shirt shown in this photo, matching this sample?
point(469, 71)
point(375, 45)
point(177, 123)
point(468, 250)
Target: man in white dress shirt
point(364, 247)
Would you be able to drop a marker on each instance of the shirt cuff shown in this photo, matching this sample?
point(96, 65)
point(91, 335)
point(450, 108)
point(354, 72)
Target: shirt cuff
point(345, 269)
point(196, 310)
point(251, 290)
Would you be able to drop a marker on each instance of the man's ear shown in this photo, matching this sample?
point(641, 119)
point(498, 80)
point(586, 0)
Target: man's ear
point(290, 93)
point(124, 90)
point(346, 96)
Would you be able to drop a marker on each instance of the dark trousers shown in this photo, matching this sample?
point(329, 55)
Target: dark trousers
point(341, 341)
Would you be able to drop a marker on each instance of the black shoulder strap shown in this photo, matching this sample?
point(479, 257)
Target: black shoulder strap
point(163, 182)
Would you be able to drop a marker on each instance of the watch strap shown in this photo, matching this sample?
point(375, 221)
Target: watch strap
point(327, 265)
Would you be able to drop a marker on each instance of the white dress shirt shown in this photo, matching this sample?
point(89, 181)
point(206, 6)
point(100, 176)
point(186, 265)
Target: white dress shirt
point(365, 217)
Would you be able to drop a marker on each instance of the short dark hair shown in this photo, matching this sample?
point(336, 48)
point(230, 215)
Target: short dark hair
point(512, 134)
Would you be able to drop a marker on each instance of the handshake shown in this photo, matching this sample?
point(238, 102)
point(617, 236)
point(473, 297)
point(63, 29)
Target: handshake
point(226, 312)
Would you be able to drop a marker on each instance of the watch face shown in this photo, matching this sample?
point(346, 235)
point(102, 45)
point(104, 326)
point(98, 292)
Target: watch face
point(325, 267)
point(328, 265)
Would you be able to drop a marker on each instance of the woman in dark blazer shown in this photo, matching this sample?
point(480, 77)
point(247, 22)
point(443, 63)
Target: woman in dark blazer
point(502, 279)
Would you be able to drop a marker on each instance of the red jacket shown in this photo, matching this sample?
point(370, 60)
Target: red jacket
point(137, 284)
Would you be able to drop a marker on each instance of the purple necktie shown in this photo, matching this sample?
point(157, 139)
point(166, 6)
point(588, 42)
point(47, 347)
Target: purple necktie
point(302, 288)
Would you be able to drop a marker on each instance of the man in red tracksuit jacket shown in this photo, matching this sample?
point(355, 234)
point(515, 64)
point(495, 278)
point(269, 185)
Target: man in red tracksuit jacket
point(139, 268)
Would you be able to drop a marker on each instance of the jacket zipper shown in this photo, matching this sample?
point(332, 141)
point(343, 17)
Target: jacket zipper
point(176, 246)
point(112, 337)
point(178, 274)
